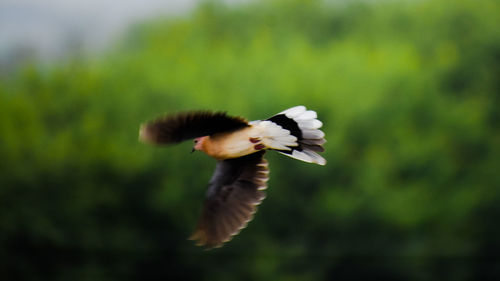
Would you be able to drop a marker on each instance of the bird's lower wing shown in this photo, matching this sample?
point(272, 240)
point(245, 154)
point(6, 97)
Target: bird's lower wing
point(235, 190)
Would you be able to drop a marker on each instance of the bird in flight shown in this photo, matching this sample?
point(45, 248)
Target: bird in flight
point(240, 178)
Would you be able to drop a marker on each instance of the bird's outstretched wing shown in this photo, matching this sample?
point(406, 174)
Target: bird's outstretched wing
point(183, 126)
point(235, 190)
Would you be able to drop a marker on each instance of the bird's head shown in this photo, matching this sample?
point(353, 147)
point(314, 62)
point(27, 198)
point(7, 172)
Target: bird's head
point(198, 143)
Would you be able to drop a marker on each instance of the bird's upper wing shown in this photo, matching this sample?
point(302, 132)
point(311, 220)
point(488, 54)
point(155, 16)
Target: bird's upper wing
point(234, 191)
point(183, 126)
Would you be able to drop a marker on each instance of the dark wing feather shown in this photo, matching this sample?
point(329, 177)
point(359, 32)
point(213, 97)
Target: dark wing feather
point(235, 190)
point(189, 125)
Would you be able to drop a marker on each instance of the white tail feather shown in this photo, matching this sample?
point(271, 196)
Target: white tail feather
point(308, 115)
point(310, 124)
point(289, 141)
point(275, 137)
point(313, 141)
point(306, 120)
point(277, 145)
point(307, 156)
point(294, 111)
point(313, 134)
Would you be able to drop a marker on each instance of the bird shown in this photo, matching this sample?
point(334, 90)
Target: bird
point(241, 174)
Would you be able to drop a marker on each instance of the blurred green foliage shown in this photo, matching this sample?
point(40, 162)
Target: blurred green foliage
point(409, 95)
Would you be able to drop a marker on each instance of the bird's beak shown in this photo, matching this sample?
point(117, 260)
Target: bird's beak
point(193, 150)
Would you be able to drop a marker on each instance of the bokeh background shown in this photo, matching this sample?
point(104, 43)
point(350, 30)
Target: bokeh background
point(409, 93)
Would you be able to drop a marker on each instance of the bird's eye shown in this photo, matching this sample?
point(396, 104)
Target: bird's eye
point(195, 141)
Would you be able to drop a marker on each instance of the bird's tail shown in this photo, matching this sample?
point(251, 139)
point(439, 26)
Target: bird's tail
point(301, 138)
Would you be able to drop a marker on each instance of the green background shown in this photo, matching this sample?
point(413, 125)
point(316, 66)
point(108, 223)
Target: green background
point(409, 94)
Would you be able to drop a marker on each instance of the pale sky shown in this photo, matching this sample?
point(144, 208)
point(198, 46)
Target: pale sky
point(46, 25)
